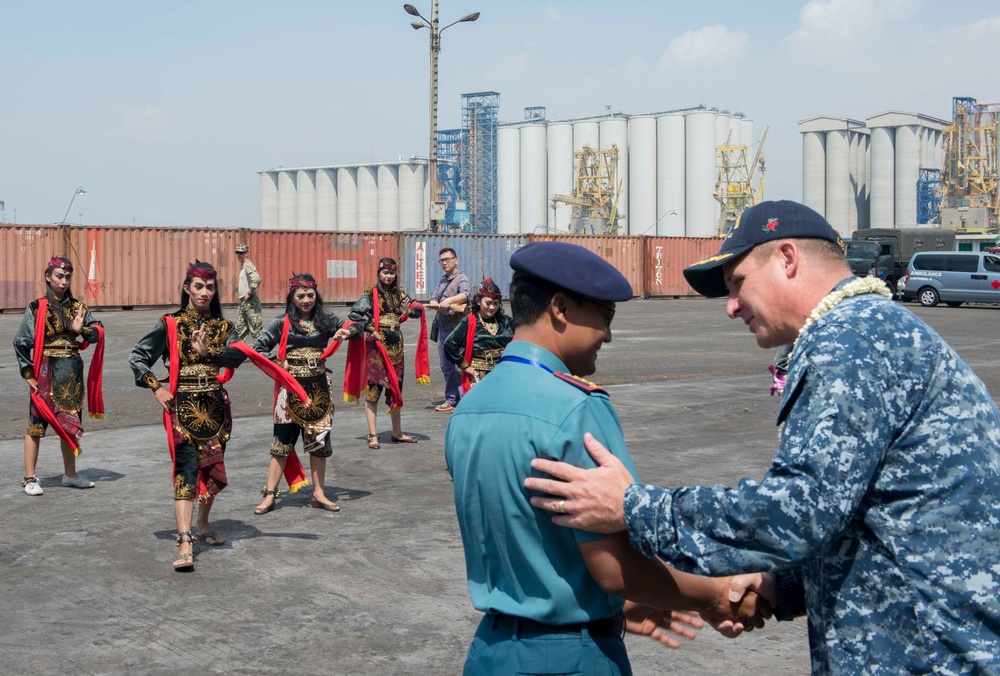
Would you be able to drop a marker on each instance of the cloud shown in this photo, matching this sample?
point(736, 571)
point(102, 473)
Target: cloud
point(635, 64)
point(150, 125)
point(707, 47)
point(520, 60)
point(552, 13)
point(846, 21)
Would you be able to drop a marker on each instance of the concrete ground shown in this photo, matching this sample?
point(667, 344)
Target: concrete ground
point(85, 576)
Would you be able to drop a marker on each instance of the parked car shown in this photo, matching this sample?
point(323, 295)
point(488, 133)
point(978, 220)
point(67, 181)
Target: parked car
point(953, 277)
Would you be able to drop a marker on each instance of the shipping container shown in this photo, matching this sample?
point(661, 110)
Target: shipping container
point(343, 263)
point(25, 250)
point(624, 253)
point(479, 256)
point(125, 267)
point(666, 258)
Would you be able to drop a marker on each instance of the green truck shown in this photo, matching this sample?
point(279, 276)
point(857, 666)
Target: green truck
point(885, 252)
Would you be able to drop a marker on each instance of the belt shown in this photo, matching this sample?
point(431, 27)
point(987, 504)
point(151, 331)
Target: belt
point(609, 627)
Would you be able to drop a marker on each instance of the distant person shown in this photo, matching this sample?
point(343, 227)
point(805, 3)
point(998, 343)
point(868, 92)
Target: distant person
point(198, 418)
point(452, 290)
point(300, 336)
point(480, 338)
point(48, 355)
point(880, 514)
point(380, 310)
point(249, 318)
point(553, 599)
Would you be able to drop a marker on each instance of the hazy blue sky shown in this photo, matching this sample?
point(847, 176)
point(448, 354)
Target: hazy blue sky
point(165, 112)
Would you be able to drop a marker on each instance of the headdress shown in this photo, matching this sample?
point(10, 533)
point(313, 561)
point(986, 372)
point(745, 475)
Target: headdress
point(201, 270)
point(300, 282)
point(489, 289)
point(387, 264)
point(59, 262)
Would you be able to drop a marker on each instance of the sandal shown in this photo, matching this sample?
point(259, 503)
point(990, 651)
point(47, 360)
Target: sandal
point(211, 538)
point(186, 561)
point(403, 440)
point(444, 408)
point(373, 442)
point(264, 510)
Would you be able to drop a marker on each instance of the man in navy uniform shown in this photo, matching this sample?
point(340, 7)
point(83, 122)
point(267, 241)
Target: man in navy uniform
point(551, 596)
point(880, 514)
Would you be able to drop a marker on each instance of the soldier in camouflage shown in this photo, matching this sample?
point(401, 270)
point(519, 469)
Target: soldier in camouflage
point(880, 517)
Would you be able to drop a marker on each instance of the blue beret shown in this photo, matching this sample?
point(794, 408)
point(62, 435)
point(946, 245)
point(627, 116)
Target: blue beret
point(760, 223)
point(571, 267)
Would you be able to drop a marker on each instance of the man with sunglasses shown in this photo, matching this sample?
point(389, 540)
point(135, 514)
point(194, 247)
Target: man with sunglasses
point(452, 289)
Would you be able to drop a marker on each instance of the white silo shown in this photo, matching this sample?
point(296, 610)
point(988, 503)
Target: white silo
point(699, 178)
point(268, 200)
point(388, 198)
point(287, 210)
point(508, 180)
point(864, 211)
point(746, 134)
point(614, 132)
point(411, 196)
point(907, 174)
point(814, 170)
point(586, 133)
point(670, 175)
point(326, 199)
point(882, 179)
point(855, 181)
point(642, 175)
point(838, 180)
point(559, 137)
point(305, 200)
point(534, 179)
point(368, 198)
point(736, 132)
point(347, 198)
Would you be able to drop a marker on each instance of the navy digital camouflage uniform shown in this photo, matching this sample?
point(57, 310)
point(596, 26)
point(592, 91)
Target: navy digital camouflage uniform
point(880, 514)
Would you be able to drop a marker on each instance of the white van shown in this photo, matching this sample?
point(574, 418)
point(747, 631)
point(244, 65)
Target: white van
point(954, 277)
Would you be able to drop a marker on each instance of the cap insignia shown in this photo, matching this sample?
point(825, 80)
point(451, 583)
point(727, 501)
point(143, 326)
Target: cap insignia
point(771, 225)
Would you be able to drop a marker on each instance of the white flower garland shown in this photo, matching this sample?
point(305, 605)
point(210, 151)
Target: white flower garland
point(857, 287)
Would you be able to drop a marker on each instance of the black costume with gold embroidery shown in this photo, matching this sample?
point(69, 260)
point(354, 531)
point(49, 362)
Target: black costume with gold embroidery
point(393, 303)
point(492, 336)
point(201, 420)
point(61, 380)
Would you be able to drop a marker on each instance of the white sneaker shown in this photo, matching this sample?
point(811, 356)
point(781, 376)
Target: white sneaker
point(79, 481)
point(31, 485)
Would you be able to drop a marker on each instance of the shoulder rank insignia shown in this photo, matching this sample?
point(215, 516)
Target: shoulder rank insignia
point(580, 383)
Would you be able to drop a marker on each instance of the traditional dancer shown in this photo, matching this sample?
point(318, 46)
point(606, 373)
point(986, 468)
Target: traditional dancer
point(478, 341)
point(380, 364)
point(48, 355)
point(301, 335)
point(196, 411)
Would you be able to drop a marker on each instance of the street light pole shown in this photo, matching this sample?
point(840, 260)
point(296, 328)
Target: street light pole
point(79, 191)
point(435, 45)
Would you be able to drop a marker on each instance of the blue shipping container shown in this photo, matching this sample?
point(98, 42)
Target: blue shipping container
point(478, 256)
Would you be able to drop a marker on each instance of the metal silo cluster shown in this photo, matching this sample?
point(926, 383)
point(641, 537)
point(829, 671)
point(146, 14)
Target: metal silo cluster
point(667, 168)
point(866, 174)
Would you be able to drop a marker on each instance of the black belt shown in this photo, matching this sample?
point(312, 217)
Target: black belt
point(613, 627)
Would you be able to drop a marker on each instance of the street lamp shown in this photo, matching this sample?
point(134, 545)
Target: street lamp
point(435, 49)
point(78, 191)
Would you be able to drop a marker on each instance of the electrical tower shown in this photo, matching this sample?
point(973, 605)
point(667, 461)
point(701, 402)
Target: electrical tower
point(595, 193)
point(969, 183)
point(477, 180)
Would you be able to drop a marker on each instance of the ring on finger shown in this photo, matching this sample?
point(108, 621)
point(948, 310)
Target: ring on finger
point(562, 506)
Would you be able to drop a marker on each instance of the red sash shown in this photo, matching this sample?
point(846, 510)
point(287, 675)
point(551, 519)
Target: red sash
point(470, 340)
point(47, 414)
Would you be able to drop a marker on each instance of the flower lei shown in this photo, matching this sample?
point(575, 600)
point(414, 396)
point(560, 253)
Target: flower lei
point(831, 300)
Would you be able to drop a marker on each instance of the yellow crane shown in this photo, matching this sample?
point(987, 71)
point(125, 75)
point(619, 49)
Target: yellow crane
point(596, 190)
point(734, 186)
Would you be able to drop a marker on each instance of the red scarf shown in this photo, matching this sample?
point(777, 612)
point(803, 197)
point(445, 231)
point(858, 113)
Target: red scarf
point(95, 376)
point(171, 323)
point(36, 356)
point(470, 339)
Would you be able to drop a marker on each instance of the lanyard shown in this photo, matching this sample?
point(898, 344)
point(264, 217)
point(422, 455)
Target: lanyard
point(530, 362)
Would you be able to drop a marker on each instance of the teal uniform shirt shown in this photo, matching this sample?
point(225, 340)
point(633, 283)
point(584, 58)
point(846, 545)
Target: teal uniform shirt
point(517, 561)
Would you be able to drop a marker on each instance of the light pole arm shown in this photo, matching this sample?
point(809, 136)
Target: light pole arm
point(75, 193)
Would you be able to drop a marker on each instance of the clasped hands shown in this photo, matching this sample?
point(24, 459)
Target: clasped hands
point(591, 500)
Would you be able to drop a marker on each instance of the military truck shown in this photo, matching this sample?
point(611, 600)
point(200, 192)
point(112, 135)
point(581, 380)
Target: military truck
point(885, 252)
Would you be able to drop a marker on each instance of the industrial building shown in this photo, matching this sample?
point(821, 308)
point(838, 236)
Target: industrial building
point(524, 177)
point(904, 169)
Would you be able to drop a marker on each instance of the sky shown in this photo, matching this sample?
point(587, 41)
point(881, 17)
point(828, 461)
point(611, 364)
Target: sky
point(165, 112)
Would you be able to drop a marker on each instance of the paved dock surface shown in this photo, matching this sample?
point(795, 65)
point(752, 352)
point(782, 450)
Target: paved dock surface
point(85, 576)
